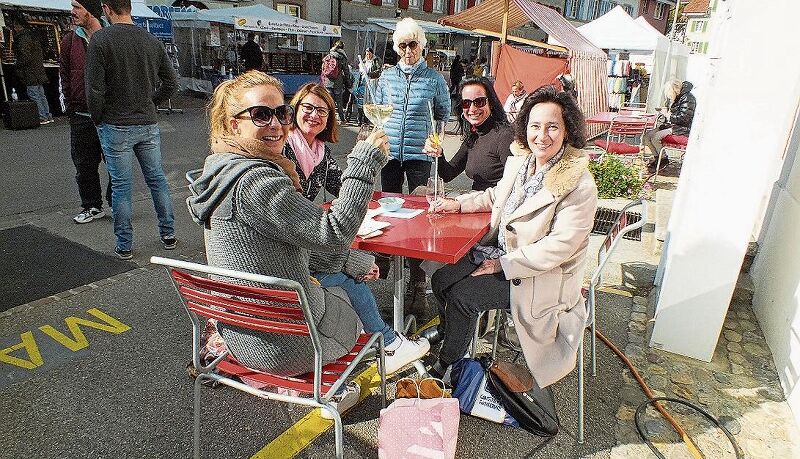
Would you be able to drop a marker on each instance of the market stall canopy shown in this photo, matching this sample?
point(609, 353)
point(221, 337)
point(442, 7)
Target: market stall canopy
point(429, 27)
point(643, 22)
point(618, 30)
point(260, 18)
point(138, 10)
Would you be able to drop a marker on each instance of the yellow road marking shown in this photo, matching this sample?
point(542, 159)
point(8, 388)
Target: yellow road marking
point(297, 437)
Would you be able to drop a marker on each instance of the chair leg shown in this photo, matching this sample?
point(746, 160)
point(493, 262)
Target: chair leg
point(382, 370)
point(196, 435)
point(580, 391)
point(338, 434)
point(594, 340)
point(498, 315)
point(474, 350)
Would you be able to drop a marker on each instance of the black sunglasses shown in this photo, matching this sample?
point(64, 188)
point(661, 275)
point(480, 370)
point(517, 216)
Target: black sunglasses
point(412, 45)
point(261, 115)
point(308, 109)
point(479, 102)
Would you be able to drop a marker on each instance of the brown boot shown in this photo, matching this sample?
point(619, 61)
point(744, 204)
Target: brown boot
point(416, 301)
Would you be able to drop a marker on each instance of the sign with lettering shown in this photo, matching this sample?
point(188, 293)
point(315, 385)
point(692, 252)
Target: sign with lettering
point(290, 27)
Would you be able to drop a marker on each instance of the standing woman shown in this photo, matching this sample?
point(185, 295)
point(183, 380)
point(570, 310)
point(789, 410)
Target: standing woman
point(409, 87)
point(532, 259)
point(256, 219)
point(487, 137)
point(515, 100)
point(314, 126)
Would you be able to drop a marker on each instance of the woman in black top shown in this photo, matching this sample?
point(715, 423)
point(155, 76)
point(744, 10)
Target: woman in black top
point(486, 141)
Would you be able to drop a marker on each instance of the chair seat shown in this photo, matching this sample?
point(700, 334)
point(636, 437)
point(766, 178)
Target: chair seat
point(303, 383)
point(619, 148)
point(675, 140)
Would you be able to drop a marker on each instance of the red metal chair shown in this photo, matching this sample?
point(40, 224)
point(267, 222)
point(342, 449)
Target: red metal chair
point(624, 128)
point(279, 307)
point(671, 142)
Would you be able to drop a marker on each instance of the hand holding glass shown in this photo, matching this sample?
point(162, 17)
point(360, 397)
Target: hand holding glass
point(434, 192)
point(445, 205)
point(377, 103)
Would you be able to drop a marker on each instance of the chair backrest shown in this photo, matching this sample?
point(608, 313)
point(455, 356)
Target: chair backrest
point(634, 107)
point(620, 228)
point(623, 126)
point(279, 307)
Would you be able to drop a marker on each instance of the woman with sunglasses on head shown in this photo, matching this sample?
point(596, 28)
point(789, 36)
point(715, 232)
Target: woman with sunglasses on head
point(256, 218)
point(409, 87)
point(532, 259)
point(486, 141)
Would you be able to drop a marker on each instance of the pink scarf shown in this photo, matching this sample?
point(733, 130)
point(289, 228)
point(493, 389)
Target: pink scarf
point(308, 156)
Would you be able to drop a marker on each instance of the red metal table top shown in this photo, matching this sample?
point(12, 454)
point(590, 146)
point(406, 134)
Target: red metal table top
point(445, 238)
point(606, 117)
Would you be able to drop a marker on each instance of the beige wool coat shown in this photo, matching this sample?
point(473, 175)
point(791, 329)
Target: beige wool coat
point(546, 237)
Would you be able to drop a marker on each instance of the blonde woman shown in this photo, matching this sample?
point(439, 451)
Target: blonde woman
point(515, 100)
point(679, 119)
point(250, 201)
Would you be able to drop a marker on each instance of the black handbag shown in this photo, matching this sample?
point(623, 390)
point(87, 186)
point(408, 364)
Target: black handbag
point(533, 408)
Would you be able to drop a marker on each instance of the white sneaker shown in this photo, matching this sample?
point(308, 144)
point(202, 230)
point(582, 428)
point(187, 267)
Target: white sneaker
point(403, 351)
point(88, 215)
point(344, 399)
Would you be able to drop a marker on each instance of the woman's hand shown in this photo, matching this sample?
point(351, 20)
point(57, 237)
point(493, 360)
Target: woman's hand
point(445, 205)
point(432, 149)
point(373, 273)
point(489, 266)
point(379, 139)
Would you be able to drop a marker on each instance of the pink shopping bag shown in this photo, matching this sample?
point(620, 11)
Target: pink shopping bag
point(411, 428)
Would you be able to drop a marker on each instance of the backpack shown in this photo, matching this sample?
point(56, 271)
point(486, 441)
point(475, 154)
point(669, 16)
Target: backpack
point(330, 67)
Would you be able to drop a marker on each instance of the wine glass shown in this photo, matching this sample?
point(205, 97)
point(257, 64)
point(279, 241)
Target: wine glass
point(377, 103)
point(435, 190)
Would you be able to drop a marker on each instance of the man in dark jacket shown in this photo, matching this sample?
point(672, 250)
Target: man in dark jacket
point(122, 98)
point(84, 143)
point(456, 74)
point(251, 54)
point(679, 119)
point(30, 66)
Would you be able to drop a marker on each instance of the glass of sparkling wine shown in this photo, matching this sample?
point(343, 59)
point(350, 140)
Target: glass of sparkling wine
point(434, 191)
point(377, 103)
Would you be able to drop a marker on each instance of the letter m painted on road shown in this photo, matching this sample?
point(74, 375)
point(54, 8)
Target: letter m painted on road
point(78, 340)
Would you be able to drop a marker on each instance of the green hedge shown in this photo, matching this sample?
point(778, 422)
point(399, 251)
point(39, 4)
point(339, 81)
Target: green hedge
point(615, 179)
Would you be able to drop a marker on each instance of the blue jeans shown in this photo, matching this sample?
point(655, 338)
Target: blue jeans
point(120, 144)
point(36, 93)
point(362, 300)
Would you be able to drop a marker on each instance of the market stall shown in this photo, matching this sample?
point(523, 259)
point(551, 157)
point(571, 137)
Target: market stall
point(209, 41)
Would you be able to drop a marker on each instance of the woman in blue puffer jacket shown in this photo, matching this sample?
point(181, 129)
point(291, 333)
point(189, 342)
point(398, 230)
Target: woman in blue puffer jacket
point(410, 85)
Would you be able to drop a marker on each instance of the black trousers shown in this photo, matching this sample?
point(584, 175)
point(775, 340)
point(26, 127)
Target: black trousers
point(417, 172)
point(87, 155)
point(461, 300)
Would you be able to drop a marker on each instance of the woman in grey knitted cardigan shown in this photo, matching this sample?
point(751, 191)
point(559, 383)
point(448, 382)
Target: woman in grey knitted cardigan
point(257, 220)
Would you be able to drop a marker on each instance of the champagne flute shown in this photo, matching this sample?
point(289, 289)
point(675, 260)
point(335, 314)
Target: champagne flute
point(377, 103)
point(434, 191)
point(436, 138)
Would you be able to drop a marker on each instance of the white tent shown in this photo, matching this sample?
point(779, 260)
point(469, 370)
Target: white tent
point(617, 30)
point(259, 18)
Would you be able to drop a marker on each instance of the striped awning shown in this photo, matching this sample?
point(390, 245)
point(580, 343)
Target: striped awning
point(488, 15)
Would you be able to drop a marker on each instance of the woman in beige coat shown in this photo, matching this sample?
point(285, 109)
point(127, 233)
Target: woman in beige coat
point(532, 259)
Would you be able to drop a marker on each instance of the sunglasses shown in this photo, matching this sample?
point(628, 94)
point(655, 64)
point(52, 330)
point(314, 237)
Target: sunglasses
point(261, 115)
point(480, 102)
point(309, 109)
point(412, 45)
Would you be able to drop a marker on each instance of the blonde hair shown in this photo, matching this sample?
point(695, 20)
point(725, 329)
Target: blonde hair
point(517, 84)
point(672, 88)
point(225, 101)
point(408, 30)
point(331, 131)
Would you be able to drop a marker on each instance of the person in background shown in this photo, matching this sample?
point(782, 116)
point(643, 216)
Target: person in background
point(372, 64)
point(336, 83)
point(251, 54)
point(532, 259)
point(456, 74)
point(250, 200)
point(122, 98)
point(30, 66)
point(85, 146)
point(515, 100)
point(679, 119)
point(409, 87)
point(481, 69)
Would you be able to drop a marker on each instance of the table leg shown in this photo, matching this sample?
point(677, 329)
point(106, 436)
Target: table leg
point(398, 275)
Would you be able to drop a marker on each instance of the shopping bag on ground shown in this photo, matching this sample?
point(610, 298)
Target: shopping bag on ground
point(475, 395)
point(414, 428)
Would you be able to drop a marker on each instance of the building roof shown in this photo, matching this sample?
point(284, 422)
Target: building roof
point(696, 7)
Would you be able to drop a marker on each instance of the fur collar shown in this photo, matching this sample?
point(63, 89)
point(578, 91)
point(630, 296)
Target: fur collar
point(564, 175)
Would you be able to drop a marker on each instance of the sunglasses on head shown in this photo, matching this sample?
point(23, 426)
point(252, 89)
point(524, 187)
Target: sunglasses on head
point(261, 115)
point(479, 102)
point(412, 45)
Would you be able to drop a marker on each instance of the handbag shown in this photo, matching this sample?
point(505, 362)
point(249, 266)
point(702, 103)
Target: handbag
point(416, 428)
point(530, 405)
point(475, 395)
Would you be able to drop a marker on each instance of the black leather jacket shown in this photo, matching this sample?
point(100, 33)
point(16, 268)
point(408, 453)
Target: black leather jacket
point(682, 110)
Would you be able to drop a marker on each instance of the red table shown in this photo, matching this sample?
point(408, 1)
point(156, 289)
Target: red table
point(445, 238)
point(606, 117)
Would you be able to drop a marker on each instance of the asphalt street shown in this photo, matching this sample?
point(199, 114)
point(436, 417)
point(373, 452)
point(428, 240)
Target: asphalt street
point(99, 370)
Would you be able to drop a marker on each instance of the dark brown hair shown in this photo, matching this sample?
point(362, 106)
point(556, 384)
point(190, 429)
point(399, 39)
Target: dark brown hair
point(119, 6)
point(572, 114)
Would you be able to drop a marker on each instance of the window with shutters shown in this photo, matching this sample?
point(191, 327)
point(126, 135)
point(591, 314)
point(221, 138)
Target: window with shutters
point(661, 8)
point(438, 6)
point(572, 8)
point(286, 40)
point(415, 4)
point(460, 5)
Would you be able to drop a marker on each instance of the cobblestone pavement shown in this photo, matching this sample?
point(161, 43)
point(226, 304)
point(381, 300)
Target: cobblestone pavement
point(739, 387)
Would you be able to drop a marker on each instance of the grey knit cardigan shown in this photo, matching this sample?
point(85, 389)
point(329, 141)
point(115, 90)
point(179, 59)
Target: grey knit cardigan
point(257, 222)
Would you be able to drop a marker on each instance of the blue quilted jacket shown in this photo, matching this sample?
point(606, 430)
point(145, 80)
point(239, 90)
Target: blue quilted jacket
point(411, 122)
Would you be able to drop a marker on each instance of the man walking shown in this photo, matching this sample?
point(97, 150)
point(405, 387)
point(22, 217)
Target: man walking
point(30, 66)
point(251, 54)
point(84, 143)
point(122, 98)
